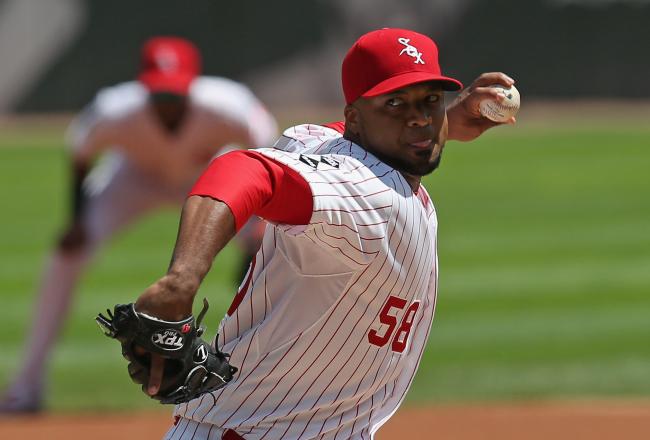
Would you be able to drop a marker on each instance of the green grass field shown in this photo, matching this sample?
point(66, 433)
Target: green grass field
point(544, 255)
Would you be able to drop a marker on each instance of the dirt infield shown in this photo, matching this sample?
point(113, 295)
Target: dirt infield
point(594, 421)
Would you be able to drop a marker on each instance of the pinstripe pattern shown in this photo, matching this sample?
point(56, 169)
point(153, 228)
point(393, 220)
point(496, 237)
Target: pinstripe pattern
point(299, 331)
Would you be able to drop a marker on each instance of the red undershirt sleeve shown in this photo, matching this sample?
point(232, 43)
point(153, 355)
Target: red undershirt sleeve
point(253, 184)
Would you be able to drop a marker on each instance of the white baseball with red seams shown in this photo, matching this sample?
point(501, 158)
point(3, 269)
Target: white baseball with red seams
point(501, 111)
point(328, 346)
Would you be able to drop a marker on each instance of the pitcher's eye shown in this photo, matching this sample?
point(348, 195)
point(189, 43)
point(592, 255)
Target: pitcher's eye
point(394, 102)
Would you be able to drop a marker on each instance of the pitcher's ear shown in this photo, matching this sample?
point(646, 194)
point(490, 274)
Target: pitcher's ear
point(351, 114)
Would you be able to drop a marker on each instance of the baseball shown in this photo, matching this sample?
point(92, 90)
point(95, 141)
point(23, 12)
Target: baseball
point(504, 110)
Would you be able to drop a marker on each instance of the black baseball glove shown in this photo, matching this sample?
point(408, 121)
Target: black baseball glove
point(192, 366)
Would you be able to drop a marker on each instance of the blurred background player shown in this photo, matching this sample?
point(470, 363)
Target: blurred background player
point(158, 133)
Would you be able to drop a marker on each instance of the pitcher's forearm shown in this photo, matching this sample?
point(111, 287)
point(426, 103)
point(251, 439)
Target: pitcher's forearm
point(249, 183)
point(206, 227)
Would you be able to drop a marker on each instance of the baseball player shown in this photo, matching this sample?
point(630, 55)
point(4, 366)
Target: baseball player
point(329, 325)
point(158, 132)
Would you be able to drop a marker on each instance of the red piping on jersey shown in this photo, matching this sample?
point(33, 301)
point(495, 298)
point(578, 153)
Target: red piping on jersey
point(251, 183)
point(338, 126)
point(244, 288)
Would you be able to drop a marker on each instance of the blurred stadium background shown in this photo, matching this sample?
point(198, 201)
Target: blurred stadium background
point(545, 227)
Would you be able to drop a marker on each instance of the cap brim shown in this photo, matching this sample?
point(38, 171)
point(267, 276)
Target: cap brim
point(410, 78)
point(156, 82)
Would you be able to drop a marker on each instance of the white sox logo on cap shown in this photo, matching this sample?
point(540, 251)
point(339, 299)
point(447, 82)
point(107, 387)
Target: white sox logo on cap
point(410, 50)
point(167, 60)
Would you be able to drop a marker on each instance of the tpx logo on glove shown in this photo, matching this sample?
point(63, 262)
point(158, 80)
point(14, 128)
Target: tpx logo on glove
point(168, 339)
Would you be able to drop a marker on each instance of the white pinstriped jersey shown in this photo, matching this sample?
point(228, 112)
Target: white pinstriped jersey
point(329, 326)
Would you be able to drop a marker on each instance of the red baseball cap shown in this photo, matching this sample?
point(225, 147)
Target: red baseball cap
point(386, 59)
point(169, 64)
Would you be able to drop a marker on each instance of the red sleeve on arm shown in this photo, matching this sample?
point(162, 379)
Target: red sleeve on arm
point(251, 183)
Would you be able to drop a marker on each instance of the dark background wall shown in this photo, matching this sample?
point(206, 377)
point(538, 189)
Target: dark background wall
point(234, 37)
point(555, 49)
